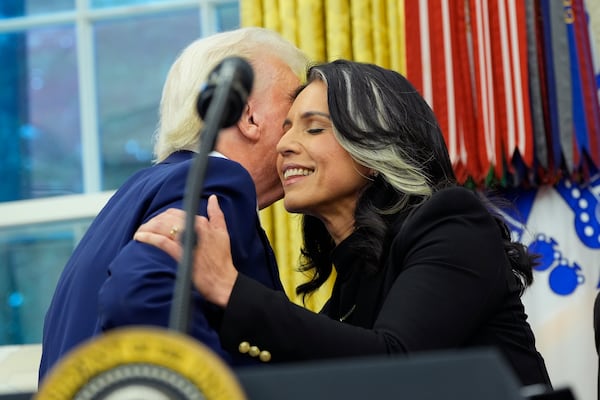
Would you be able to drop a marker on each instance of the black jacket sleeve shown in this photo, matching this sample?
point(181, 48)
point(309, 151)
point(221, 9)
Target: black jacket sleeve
point(448, 272)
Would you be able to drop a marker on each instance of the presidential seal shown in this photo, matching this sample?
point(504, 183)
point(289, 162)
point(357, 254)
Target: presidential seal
point(141, 363)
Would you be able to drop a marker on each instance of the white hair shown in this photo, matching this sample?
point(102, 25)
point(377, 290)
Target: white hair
point(179, 126)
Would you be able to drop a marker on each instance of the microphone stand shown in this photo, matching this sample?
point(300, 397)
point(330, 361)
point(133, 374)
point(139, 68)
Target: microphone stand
point(181, 312)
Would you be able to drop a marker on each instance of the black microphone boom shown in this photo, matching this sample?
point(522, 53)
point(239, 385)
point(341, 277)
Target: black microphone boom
point(234, 74)
point(220, 104)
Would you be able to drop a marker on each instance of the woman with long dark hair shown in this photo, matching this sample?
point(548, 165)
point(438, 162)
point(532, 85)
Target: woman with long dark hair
point(421, 262)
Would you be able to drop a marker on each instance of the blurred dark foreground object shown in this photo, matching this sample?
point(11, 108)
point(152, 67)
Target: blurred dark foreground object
point(464, 375)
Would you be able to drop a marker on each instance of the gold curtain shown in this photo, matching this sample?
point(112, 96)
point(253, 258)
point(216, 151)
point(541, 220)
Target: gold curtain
point(360, 30)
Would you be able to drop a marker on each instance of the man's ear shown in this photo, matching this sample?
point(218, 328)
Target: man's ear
point(247, 124)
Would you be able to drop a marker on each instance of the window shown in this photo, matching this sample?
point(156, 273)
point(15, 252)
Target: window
point(81, 83)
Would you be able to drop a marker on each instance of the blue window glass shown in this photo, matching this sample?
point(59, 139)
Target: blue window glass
point(39, 114)
point(32, 259)
point(133, 57)
point(20, 8)
point(114, 3)
point(228, 16)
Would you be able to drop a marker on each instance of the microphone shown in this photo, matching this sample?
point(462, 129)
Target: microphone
point(235, 76)
point(220, 104)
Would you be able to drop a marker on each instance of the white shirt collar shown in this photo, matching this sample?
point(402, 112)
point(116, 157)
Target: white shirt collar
point(215, 153)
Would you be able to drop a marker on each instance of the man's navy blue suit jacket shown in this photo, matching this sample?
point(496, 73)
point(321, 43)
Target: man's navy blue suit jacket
point(112, 281)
